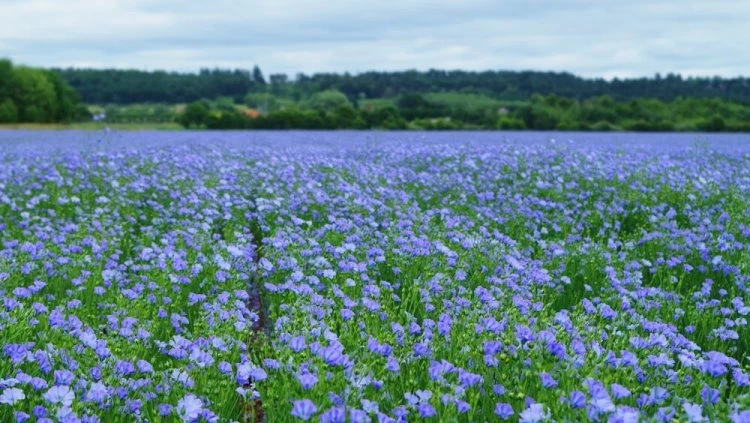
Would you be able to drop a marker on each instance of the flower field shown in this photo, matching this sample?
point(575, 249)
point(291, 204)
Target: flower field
point(364, 277)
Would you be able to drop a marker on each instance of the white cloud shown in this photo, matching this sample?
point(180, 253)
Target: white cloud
point(590, 37)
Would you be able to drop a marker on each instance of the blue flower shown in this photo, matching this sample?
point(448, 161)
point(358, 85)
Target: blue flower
point(21, 417)
point(62, 395)
point(504, 410)
point(426, 410)
point(98, 392)
point(710, 395)
point(333, 415)
point(547, 380)
point(619, 391)
point(303, 409)
point(577, 399)
point(534, 413)
point(298, 344)
point(462, 406)
point(64, 377)
point(10, 396)
point(358, 416)
point(693, 412)
point(189, 408)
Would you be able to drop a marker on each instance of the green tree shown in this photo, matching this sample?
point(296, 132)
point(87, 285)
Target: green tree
point(8, 111)
point(66, 98)
point(34, 95)
point(6, 78)
point(196, 115)
point(225, 104)
point(345, 117)
point(258, 76)
point(510, 123)
point(328, 100)
point(714, 124)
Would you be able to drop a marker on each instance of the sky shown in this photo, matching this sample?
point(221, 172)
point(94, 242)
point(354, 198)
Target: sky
point(592, 38)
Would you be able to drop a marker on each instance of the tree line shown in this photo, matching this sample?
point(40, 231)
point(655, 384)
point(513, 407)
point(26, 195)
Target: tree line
point(242, 99)
point(113, 86)
point(332, 109)
point(36, 95)
point(117, 86)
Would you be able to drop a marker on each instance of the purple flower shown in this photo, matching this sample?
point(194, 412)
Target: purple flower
point(303, 409)
point(710, 395)
point(462, 406)
point(144, 366)
point(369, 406)
point(97, 393)
point(10, 396)
point(271, 364)
point(63, 377)
point(164, 409)
point(426, 410)
point(694, 412)
point(392, 365)
point(547, 380)
point(307, 380)
point(577, 399)
point(504, 410)
point(124, 368)
point(297, 344)
point(134, 406)
point(189, 408)
point(619, 391)
point(358, 416)
point(39, 411)
point(62, 395)
point(247, 372)
point(534, 413)
point(499, 390)
point(333, 356)
point(333, 415)
point(468, 379)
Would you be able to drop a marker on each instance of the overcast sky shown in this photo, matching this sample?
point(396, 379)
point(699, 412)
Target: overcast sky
point(587, 37)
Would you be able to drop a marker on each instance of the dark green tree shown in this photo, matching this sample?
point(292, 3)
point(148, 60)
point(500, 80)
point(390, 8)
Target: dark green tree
point(258, 76)
point(8, 111)
point(196, 115)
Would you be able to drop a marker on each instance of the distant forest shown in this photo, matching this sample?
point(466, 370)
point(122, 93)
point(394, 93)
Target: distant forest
point(110, 86)
point(35, 95)
point(430, 100)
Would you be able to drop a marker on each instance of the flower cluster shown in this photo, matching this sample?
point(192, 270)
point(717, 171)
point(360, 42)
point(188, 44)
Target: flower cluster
point(445, 278)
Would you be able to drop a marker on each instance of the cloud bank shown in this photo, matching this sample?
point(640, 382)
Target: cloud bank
point(596, 38)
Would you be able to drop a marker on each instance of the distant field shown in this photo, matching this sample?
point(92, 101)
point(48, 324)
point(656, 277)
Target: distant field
point(94, 126)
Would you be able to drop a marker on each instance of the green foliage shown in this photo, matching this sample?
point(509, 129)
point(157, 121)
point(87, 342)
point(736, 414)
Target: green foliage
point(604, 126)
point(196, 115)
point(714, 124)
point(437, 124)
point(258, 76)
point(328, 100)
point(347, 117)
point(510, 123)
point(385, 118)
point(538, 116)
point(370, 104)
point(224, 104)
point(120, 86)
point(8, 111)
point(34, 95)
point(6, 78)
